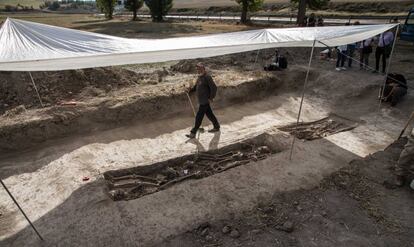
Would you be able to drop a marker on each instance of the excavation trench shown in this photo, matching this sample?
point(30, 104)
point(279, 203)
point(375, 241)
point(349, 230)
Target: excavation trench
point(170, 100)
point(132, 183)
point(321, 128)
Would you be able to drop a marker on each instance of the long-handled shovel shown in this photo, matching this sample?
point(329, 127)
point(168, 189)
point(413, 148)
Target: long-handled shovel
point(201, 129)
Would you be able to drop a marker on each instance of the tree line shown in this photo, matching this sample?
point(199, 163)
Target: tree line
point(160, 8)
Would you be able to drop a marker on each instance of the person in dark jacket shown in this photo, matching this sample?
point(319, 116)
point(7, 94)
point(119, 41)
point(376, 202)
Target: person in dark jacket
point(395, 88)
point(312, 20)
point(206, 91)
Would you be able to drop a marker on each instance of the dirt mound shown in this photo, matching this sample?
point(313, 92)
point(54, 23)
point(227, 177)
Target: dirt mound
point(15, 111)
point(188, 66)
point(241, 61)
point(184, 66)
point(17, 89)
point(145, 103)
point(53, 87)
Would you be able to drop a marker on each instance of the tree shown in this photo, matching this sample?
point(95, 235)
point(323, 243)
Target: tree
point(313, 4)
point(106, 7)
point(159, 8)
point(249, 5)
point(134, 6)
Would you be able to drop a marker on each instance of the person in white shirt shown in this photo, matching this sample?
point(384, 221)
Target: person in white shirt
point(383, 50)
point(365, 49)
point(341, 51)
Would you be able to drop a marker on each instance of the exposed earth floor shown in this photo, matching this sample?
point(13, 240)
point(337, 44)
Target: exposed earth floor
point(330, 192)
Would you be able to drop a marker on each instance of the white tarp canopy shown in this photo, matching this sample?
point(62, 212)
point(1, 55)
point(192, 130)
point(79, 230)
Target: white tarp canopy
point(29, 46)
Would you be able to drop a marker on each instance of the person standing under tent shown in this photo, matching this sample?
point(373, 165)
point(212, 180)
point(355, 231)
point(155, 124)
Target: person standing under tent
point(206, 91)
point(383, 49)
point(312, 20)
point(304, 22)
point(320, 22)
point(351, 50)
point(365, 49)
point(341, 53)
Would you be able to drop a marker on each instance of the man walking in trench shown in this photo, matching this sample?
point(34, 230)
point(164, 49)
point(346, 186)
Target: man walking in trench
point(206, 91)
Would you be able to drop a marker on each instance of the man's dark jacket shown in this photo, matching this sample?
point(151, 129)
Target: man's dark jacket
point(206, 89)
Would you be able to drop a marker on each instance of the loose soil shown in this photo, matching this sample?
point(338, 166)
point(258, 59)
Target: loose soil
point(84, 101)
point(351, 207)
point(140, 122)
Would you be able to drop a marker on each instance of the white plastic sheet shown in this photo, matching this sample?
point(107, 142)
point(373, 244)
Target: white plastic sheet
point(29, 46)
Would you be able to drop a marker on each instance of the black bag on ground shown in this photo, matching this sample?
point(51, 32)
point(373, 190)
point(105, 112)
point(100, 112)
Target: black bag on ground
point(271, 67)
point(283, 62)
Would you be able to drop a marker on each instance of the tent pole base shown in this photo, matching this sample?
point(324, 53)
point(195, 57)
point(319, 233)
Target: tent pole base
point(303, 96)
point(21, 210)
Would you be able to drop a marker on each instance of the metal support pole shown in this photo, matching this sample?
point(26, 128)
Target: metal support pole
point(21, 210)
point(37, 91)
point(303, 96)
point(386, 74)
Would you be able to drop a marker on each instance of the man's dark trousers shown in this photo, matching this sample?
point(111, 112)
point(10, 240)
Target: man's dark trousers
point(204, 110)
point(380, 52)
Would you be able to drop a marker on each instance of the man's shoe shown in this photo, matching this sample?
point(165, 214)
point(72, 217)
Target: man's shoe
point(214, 130)
point(191, 135)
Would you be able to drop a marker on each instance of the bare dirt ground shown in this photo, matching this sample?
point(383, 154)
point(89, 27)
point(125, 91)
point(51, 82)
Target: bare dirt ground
point(139, 116)
point(348, 208)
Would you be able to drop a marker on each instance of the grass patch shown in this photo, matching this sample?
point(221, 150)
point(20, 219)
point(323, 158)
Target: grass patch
point(124, 27)
point(28, 3)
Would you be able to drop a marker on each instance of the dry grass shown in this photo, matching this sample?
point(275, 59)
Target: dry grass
point(132, 29)
point(203, 4)
point(189, 3)
point(34, 3)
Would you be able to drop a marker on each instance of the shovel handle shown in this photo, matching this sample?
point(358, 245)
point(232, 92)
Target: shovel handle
point(191, 103)
point(406, 125)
